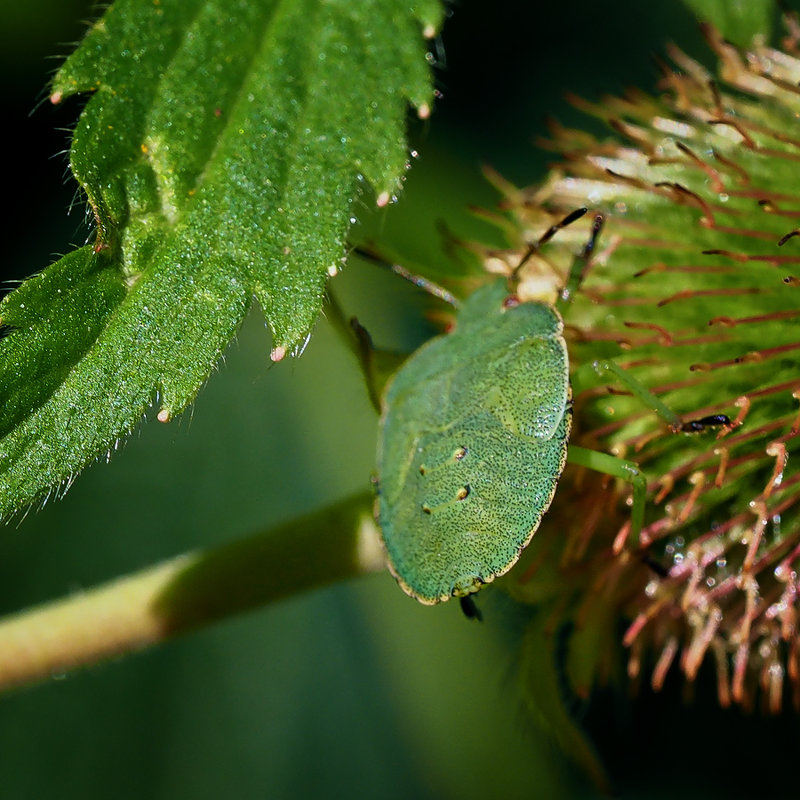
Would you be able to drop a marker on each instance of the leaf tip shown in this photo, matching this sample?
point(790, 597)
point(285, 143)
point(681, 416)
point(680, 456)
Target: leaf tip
point(424, 111)
point(382, 199)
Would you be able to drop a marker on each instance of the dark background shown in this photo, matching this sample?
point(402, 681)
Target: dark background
point(353, 689)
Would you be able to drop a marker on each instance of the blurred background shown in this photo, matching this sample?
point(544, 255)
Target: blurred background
point(354, 689)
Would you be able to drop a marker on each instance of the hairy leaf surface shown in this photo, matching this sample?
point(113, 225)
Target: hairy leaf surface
point(222, 150)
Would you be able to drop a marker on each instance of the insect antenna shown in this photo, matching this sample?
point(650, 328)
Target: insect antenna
point(546, 237)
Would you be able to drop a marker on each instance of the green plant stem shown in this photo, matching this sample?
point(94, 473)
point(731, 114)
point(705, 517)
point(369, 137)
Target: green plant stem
point(188, 592)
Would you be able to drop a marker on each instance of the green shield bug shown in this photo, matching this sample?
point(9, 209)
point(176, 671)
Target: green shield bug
point(474, 437)
point(474, 432)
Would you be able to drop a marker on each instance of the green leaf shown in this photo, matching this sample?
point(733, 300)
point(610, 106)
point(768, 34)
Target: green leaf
point(222, 152)
point(739, 21)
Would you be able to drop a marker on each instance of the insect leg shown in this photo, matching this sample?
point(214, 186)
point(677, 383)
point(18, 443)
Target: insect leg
point(646, 397)
point(616, 468)
point(580, 265)
point(376, 365)
point(469, 608)
point(621, 468)
point(419, 281)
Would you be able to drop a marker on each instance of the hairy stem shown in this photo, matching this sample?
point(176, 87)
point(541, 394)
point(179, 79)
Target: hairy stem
point(188, 592)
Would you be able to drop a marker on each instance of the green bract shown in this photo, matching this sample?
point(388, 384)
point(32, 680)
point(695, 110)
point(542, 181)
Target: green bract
point(474, 439)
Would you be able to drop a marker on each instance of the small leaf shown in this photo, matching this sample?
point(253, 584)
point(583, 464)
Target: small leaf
point(222, 152)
